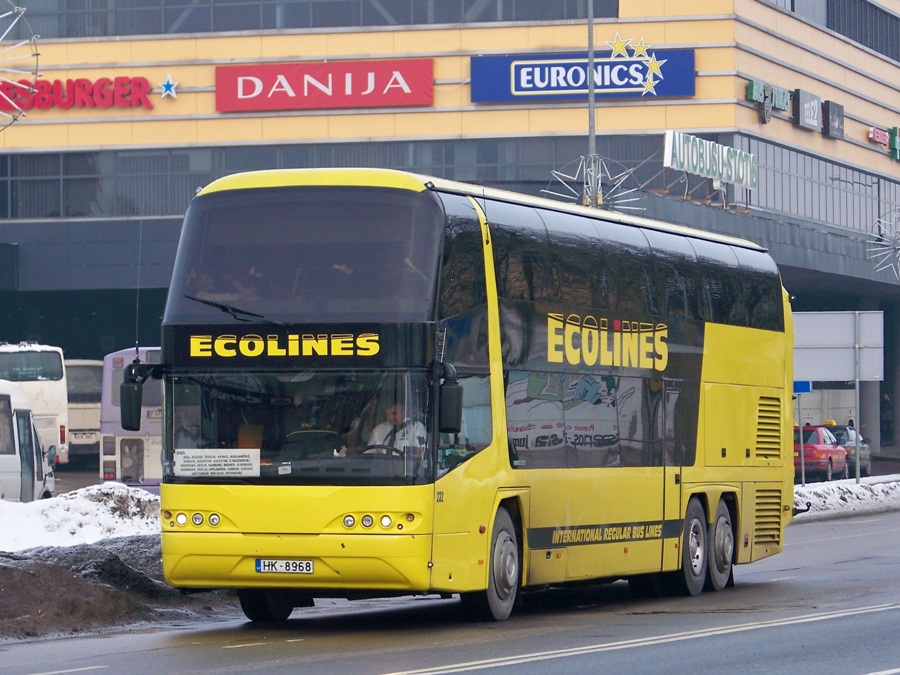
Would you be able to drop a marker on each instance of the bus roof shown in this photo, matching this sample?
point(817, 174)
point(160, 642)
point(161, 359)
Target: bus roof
point(403, 180)
point(28, 347)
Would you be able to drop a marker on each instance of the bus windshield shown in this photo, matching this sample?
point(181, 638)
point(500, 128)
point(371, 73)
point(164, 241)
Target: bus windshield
point(300, 428)
point(290, 254)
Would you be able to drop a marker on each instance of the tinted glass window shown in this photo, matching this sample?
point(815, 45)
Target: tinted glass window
point(24, 366)
point(295, 253)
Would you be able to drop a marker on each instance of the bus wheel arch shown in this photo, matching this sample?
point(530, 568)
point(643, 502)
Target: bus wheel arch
point(721, 546)
point(504, 577)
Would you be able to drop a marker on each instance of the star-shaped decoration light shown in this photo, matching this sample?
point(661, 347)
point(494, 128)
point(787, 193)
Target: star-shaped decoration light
point(168, 87)
point(618, 47)
point(639, 51)
point(654, 67)
point(884, 250)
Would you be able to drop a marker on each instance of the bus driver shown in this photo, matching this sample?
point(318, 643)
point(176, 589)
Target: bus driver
point(398, 431)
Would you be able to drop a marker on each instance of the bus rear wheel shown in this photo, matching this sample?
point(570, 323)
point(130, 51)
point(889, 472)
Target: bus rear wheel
point(496, 603)
point(265, 605)
point(720, 548)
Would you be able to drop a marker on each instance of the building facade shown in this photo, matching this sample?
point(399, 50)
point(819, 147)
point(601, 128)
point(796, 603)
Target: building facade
point(773, 120)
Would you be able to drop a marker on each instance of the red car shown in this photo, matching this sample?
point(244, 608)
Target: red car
point(822, 454)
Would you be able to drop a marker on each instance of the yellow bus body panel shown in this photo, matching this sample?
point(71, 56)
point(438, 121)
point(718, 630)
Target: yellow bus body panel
point(298, 524)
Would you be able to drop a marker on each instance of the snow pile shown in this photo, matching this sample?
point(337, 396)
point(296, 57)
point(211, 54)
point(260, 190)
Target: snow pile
point(845, 497)
point(79, 517)
point(113, 510)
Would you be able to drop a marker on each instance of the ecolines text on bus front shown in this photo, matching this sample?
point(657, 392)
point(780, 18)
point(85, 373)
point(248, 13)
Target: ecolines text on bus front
point(294, 344)
point(591, 341)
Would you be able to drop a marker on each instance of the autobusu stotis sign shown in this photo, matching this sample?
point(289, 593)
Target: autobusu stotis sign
point(722, 163)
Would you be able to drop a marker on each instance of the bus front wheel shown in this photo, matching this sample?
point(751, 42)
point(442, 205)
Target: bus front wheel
point(496, 603)
point(691, 578)
point(265, 605)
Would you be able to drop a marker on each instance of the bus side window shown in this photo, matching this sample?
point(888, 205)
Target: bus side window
point(7, 446)
point(477, 424)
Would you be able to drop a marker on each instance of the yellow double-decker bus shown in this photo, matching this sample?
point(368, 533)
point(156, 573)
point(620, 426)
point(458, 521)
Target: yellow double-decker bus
point(382, 383)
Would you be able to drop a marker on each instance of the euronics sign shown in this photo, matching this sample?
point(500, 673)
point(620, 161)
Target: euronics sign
point(626, 71)
point(722, 163)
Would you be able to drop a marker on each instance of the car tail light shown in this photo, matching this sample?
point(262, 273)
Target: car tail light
point(62, 434)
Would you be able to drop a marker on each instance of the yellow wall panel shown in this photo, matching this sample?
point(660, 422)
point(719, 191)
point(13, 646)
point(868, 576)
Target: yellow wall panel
point(23, 135)
point(715, 87)
point(377, 42)
point(638, 117)
point(713, 116)
point(292, 129)
point(496, 122)
point(149, 133)
point(96, 134)
point(231, 130)
point(714, 58)
point(174, 51)
point(361, 126)
point(698, 7)
point(231, 48)
point(697, 32)
point(427, 41)
point(434, 125)
point(294, 47)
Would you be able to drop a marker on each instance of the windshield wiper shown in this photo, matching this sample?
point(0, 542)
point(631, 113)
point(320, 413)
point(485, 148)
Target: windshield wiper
point(236, 312)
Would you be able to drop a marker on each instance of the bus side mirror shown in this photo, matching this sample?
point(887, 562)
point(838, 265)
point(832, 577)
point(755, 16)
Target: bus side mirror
point(450, 413)
point(130, 395)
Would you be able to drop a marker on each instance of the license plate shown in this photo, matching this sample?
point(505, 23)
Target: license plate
point(267, 565)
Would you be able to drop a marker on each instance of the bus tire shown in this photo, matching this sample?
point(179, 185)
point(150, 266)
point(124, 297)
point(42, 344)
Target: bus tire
point(720, 548)
point(265, 605)
point(694, 558)
point(496, 603)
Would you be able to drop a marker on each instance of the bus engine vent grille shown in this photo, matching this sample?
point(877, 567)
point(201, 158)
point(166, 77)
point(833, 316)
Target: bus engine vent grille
point(767, 528)
point(768, 428)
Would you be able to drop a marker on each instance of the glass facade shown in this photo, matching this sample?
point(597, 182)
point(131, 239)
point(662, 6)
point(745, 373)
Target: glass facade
point(101, 18)
point(161, 182)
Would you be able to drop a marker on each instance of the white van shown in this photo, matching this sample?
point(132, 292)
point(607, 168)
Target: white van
point(25, 470)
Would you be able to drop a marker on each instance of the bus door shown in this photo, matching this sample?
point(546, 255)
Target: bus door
point(674, 441)
point(26, 455)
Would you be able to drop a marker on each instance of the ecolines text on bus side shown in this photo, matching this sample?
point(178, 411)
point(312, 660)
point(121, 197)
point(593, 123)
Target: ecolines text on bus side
point(253, 345)
point(590, 341)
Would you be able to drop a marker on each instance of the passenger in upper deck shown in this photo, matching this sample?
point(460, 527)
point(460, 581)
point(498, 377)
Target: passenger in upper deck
point(222, 287)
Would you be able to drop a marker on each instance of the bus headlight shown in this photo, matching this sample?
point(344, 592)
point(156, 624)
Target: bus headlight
point(349, 521)
point(197, 519)
point(214, 519)
point(181, 519)
point(386, 521)
point(368, 521)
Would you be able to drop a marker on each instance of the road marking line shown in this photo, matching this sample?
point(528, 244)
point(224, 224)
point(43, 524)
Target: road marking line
point(643, 642)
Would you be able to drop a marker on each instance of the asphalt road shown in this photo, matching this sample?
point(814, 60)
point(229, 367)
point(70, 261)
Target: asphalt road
point(828, 603)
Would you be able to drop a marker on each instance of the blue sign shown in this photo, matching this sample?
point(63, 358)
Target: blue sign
point(661, 73)
point(801, 387)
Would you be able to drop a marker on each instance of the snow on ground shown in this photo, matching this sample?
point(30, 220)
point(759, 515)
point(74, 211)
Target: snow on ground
point(112, 510)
